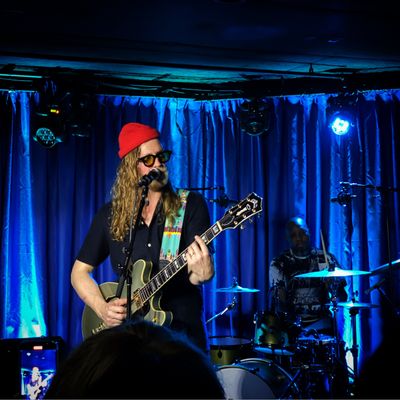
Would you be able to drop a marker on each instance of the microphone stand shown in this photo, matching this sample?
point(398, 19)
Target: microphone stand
point(384, 192)
point(230, 306)
point(126, 275)
point(223, 200)
point(206, 188)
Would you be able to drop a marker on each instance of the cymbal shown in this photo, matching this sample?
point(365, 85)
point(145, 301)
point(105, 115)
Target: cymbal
point(385, 267)
point(237, 289)
point(355, 304)
point(336, 273)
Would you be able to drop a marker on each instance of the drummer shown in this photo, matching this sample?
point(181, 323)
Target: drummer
point(304, 303)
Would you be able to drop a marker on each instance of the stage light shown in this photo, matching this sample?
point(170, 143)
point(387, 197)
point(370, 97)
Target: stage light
point(61, 114)
point(341, 114)
point(79, 115)
point(48, 126)
point(256, 117)
point(340, 123)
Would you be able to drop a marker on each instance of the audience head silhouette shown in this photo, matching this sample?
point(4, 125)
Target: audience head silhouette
point(136, 360)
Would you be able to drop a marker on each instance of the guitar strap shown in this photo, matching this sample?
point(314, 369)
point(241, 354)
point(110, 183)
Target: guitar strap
point(172, 231)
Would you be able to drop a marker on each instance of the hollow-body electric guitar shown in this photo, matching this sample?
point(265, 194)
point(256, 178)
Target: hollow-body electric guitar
point(35, 390)
point(145, 290)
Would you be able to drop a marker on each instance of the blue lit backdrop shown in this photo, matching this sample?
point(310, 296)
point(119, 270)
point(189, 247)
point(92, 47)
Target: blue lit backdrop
point(48, 197)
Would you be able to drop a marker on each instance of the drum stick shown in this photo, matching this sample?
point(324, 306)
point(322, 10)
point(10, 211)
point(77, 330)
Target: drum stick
point(323, 247)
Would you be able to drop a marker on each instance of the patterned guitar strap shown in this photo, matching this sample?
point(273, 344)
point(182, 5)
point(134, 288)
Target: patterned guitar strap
point(172, 232)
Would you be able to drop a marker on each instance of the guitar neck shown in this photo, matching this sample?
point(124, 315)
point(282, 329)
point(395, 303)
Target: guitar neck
point(170, 270)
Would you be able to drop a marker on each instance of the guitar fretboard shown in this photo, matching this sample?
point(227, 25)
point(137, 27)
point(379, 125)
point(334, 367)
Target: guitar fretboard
point(170, 270)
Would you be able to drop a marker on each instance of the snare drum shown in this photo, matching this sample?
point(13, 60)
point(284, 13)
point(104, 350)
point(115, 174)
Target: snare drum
point(255, 378)
point(228, 349)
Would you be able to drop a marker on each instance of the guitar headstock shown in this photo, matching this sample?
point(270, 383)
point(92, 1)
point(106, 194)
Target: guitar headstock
point(241, 211)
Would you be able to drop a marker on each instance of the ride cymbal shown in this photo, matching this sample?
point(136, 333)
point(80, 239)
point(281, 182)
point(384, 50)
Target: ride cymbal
point(336, 273)
point(356, 304)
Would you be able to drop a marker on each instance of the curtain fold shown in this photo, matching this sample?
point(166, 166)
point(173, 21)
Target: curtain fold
point(49, 196)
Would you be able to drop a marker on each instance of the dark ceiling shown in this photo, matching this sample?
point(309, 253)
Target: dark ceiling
point(201, 48)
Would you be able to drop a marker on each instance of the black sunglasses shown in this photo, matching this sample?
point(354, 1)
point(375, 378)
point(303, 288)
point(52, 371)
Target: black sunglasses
point(150, 159)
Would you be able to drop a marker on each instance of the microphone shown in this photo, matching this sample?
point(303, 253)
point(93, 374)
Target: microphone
point(343, 198)
point(232, 305)
point(222, 201)
point(375, 286)
point(154, 174)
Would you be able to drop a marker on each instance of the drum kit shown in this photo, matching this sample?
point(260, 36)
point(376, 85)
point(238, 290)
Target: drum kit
point(284, 360)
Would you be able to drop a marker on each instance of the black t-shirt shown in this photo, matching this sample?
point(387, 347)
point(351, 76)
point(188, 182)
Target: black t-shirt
point(179, 296)
point(308, 298)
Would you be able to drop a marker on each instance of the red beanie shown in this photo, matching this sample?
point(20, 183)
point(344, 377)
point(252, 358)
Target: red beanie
point(132, 135)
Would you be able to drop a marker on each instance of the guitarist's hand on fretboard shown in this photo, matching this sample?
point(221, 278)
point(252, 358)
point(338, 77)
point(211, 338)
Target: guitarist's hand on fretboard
point(200, 264)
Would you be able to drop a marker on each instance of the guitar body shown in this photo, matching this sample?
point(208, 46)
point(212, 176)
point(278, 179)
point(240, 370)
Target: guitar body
point(34, 391)
point(150, 311)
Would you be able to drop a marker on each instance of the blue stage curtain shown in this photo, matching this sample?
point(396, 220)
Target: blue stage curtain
point(49, 196)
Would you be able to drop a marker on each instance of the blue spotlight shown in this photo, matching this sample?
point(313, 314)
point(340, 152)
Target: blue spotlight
point(340, 113)
point(340, 123)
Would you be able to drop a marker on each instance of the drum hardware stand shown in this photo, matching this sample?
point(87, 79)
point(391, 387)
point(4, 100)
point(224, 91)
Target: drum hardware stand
point(354, 347)
point(384, 192)
point(229, 307)
point(293, 381)
point(332, 288)
point(335, 358)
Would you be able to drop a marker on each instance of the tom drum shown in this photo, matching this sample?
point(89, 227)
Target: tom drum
point(269, 330)
point(228, 349)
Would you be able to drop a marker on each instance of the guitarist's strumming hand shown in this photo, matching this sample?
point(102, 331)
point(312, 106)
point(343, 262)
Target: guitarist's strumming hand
point(113, 313)
point(200, 263)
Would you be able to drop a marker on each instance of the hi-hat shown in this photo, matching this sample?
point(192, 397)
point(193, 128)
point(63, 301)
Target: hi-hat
point(237, 289)
point(385, 267)
point(336, 273)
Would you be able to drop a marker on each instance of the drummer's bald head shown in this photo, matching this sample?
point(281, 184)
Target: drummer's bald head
point(297, 222)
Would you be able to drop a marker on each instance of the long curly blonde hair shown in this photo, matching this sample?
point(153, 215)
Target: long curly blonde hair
point(124, 192)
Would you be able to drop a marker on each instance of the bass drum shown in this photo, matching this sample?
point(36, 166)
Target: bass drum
point(256, 378)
